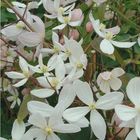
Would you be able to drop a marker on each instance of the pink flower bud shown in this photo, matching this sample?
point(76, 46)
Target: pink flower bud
point(74, 34)
point(76, 14)
point(25, 91)
point(89, 27)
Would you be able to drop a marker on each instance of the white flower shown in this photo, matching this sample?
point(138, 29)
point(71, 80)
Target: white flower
point(139, 41)
point(71, 19)
point(54, 8)
point(106, 102)
point(127, 113)
point(107, 43)
point(4, 84)
point(109, 79)
point(14, 98)
point(24, 76)
point(41, 68)
point(46, 128)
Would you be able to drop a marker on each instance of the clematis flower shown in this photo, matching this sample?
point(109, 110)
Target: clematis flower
point(41, 68)
point(46, 128)
point(107, 44)
point(109, 80)
point(24, 76)
point(14, 98)
point(127, 113)
point(106, 102)
point(74, 18)
point(54, 8)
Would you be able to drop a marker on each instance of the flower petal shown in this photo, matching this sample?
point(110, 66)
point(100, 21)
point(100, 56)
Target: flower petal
point(42, 93)
point(23, 64)
point(98, 125)
point(53, 136)
point(15, 75)
point(133, 90)
point(83, 92)
point(115, 83)
point(125, 113)
point(132, 135)
point(40, 107)
point(20, 83)
point(123, 44)
point(117, 72)
point(109, 101)
point(59, 27)
point(137, 127)
point(106, 47)
point(76, 113)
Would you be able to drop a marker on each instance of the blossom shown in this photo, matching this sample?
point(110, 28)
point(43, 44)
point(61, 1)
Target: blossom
point(4, 84)
point(46, 128)
point(24, 76)
point(74, 18)
point(107, 43)
point(106, 102)
point(127, 113)
point(109, 80)
point(14, 98)
point(54, 8)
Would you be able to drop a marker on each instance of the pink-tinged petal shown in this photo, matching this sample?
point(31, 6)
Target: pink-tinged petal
point(98, 125)
point(122, 44)
point(109, 101)
point(75, 114)
point(30, 39)
point(42, 93)
point(117, 72)
point(83, 91)
point(125, 113)
point(106, 47)
point(133, 90)
point(21, 83)
point(115, 83)
point(114, 30)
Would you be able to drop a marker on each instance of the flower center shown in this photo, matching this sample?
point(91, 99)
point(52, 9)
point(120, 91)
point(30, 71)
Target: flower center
point(26, 74)
point(44, 69)
point(56, 49)
point(48, 130)
point(79, 65)
point(68, 52)
point(20, 25)
point(54, 82)
point(102, 26)
point(66, 20)
point(109, 36)
point(92, 106)
point(61, 10)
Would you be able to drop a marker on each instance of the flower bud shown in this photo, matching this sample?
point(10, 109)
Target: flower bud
point(74, 34)
point(76, 14)
point(89, 27)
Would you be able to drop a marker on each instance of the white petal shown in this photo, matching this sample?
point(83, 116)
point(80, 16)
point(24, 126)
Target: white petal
point(30, 39)
point(53, 136)
point(114, 30)
point(13, 104)
point(76, 113)
point(117, 72)
point(98, 125)
point(83, 91)
point(137, 127)
point(125, 113)
point(10, 98)
point(115, 83)
point(59, 27)
point(109, 101)
point(15, 75)
point(20, 83)
point(55, 37)
point(133, 90)
point(40, 107)
point(52, 61)
point(132, 135)
point(67, 95)
point(23, 64)
point(18, 129)
point(104, 86)
point(38, 121)
point(66, 128)
point(42, 93)
point(60, 68)
point(43, 82)
point(106, 47)
point(123, 44)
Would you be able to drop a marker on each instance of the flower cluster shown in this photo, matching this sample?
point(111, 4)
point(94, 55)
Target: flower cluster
point(58, 69)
